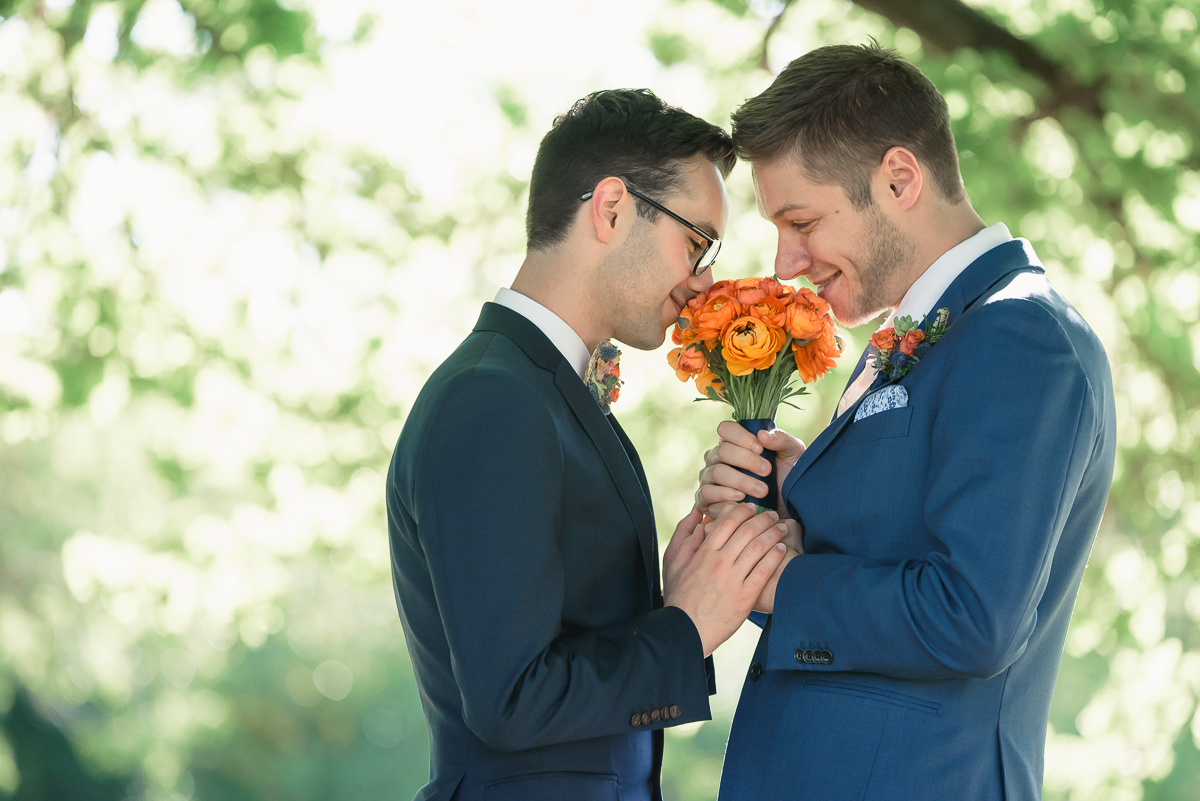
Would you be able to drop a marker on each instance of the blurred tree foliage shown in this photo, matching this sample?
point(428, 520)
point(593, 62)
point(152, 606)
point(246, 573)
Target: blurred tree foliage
point(214, 313)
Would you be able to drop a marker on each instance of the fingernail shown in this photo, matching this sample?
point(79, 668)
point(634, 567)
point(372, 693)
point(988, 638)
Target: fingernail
point(782, 528)
point(773, 514)
point(762, 490)
point(781, 547)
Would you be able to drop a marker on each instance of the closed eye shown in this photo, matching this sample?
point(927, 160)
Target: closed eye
point(803, 226)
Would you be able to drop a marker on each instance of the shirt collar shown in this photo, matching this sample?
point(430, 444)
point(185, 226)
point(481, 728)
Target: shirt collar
point(563, 336)
point(925, 291)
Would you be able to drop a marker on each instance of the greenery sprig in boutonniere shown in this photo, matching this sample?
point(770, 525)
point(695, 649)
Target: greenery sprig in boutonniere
point(900, 346)
point(603, 375)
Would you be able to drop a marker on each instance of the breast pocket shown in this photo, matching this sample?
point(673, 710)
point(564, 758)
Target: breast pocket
point(881, 425)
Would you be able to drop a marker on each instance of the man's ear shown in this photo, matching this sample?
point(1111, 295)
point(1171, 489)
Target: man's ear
point(609, 207)
point(901, 173)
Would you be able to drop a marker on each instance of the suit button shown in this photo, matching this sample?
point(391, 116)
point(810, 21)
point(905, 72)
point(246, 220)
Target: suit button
point(799, 655)
point(655, 715)
point(675, 711)
point(755, 671)
point(665, 713)
point(645, 718)
point(828, 657)
point(810, 657)
point(635, 721)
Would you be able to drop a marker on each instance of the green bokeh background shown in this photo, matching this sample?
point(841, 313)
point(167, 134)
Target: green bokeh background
point(236, 236)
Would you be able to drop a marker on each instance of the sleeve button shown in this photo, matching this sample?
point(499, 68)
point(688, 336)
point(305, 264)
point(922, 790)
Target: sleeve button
point(675, 711)
point(799, 655)
point(635, 721)
point(645, 718)
point(655, 715)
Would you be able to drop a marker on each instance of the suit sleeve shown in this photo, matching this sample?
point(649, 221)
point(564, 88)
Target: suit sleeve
point(1015, 430)
point(489, 500)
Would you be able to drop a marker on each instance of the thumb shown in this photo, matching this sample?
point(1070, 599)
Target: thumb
point(787, 447)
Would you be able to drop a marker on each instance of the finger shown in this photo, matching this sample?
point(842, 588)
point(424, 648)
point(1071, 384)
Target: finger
point(751, 528)
point(723, 475)
point(737, 456)
point(734, 433)
point(714, 495)
point(728, 523)
point(681, 533)
point(762, 572)
point(754, 548)
point(786, 447)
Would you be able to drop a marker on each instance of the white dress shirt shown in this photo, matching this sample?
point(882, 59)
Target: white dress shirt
point(925, 291)
point(563, 336)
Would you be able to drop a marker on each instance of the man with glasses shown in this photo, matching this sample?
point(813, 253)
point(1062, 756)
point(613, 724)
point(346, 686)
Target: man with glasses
point(524, 553)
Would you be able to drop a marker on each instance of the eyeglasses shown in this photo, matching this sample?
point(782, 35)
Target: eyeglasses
point(711, 248)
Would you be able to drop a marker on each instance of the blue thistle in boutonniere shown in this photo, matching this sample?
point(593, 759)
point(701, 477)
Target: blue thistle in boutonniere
point(603, 375)
point(901, 346)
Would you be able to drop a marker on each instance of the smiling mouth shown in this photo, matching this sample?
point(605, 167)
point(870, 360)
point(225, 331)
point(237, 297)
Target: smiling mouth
point(824, 284)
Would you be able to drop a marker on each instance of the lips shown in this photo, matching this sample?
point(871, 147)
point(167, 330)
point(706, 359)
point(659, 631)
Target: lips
point(823, 286)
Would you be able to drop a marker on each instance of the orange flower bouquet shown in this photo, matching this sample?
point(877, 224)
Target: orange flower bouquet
point(745, 341)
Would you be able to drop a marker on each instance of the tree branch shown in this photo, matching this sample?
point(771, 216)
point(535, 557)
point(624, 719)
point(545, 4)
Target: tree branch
point(949, 24)
point(762, 60)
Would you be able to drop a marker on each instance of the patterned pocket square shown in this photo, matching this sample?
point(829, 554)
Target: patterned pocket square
point(893, 396)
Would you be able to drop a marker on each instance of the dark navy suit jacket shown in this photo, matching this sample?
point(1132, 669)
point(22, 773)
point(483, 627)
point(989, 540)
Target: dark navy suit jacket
point(915, 644)
point(525, 566)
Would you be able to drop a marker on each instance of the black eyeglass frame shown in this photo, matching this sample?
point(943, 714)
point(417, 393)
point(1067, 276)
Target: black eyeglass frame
point(714, 243)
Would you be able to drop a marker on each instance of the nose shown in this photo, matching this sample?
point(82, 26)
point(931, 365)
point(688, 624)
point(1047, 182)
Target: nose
point(792, 259)
point(701, 283)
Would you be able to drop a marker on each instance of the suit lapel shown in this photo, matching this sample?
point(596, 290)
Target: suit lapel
point(607, 437)
point(970, 285)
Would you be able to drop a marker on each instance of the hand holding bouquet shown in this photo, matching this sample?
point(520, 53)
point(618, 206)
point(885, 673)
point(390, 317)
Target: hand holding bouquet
point(744, 342)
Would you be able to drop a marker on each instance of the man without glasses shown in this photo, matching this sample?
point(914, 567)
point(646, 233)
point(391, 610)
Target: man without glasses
point(949, 508)
point(523, 546)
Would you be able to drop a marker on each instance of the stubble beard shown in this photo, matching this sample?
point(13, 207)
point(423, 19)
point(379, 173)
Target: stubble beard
point(635, 321)
point(889, 252)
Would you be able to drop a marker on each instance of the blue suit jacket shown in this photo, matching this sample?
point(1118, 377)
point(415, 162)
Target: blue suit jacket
point(525, 567)
point(914, 647)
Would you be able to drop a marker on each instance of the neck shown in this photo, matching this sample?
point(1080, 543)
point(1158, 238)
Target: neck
point(557, 283)
point(940, 232)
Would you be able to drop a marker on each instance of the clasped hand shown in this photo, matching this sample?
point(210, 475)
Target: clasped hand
point(717, 573)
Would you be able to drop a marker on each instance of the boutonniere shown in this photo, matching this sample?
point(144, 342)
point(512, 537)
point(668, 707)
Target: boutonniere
point(899, 347)
point(603, 375)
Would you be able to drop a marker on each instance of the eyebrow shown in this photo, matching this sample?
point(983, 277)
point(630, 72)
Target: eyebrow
point(785, 209)
point(708, 228)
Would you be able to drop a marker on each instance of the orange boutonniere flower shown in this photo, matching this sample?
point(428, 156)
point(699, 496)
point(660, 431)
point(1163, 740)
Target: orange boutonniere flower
point(899, 347)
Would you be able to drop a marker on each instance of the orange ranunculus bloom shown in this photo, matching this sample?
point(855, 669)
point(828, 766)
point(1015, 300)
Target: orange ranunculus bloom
point(808, 316)
point(775, 289)
point(710, 379)
point(748, 291)
point(687, 361)
point(723, 287)
point(711, 318)
point(817, 357)
point(614, 395)
point(885, 339)
point(749, 344)
point(684, 336)
point(911, 340)
point(771, 310)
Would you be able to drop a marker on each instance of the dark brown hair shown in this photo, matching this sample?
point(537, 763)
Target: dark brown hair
point(627, 133)
point(840, 108)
